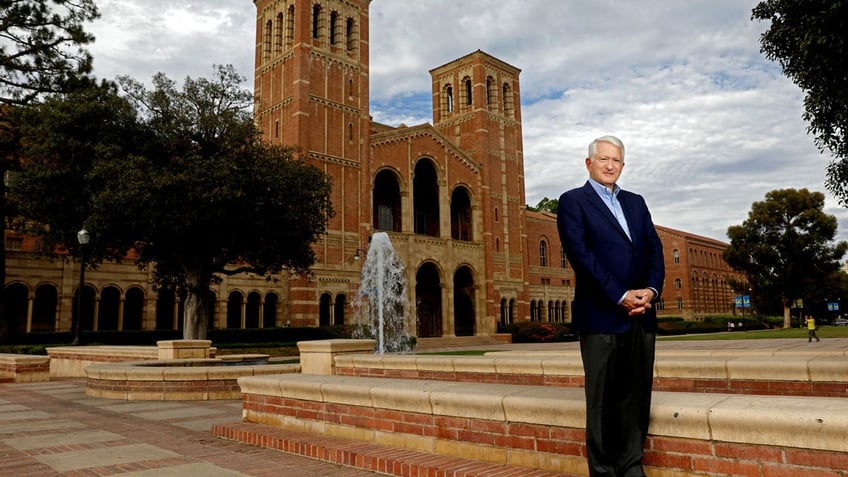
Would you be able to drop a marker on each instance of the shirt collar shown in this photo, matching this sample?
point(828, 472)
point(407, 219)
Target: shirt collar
point(602, 190)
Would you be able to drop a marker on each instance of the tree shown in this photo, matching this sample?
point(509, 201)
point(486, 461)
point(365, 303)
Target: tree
point(179, 178)
point(42, 46)
point(545, 205)
point(785, 247)
point(809, 38)
point(41, 50)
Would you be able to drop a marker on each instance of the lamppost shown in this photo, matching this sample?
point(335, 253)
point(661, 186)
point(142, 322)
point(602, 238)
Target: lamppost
point(82, 237)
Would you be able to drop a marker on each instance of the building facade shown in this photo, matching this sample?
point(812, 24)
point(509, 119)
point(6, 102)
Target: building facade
point(450, 195)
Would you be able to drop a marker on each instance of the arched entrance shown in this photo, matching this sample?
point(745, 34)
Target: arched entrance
point(428, 301)
point(463, 302)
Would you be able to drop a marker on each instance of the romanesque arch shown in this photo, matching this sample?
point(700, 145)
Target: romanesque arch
point(386, 201)
point(426, 198)
point(463, 302)
point(460, 207)
point(428, 300)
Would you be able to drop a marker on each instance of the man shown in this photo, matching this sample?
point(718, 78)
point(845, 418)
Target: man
point(610, 240)
point(811, 329)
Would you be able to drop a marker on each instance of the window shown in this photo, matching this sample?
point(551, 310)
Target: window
point(14, 243)
point(678, 283)
point(316, 12)
point(278, 33)
point(266, 41)
point(543, 253)
point(563, 261)
point(679, 303)
point(448, 99)
point(507, 100)
point(490, 92)
point(676, 254)
point(350, 37)
point(468, 89)
point(334, 20)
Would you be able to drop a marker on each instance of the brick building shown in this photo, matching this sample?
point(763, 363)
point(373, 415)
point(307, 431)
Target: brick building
point(450, 194)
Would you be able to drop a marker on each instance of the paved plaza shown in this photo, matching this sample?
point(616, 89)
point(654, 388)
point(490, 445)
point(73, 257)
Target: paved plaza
point(53, 428)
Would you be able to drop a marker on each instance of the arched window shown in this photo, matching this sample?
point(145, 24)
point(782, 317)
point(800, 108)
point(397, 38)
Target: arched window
point(543, 253)
point(278, 33)
point(425, 192)
point(316, 21)
point(563, 260)
point(507, 100)
point(461, 215)
point(350, 35)
point(678, 283)
point(290, 28)
point(468, 90)
point(676, 256)
point(491, 102)
point(266, 40)
point(334, 27)
point(448, 98)
point(387, 202)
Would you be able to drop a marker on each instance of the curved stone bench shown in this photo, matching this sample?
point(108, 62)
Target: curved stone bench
point(543, 427)
point(177, 379)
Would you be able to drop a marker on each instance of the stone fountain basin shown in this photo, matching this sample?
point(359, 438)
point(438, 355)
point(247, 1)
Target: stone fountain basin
point(191, 379)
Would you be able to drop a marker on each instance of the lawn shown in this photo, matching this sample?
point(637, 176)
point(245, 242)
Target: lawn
point(824, 332)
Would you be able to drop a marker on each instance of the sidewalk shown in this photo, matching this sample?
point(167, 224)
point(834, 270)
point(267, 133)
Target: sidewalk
point(54, 429)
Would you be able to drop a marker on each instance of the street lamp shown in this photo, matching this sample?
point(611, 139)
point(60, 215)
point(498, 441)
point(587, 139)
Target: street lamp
point(83, 238)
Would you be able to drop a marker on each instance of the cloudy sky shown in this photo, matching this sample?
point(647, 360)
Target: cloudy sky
point(709, 124)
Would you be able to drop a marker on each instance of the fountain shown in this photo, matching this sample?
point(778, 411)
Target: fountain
point(381, 306)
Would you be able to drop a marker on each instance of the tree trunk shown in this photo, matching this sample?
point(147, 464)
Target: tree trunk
point(195, 311)
point(787, 316)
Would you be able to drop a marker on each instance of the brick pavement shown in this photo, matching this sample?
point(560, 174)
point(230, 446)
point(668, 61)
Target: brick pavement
point(53, 429)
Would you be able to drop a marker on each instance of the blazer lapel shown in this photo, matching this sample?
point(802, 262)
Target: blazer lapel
point(599, 204)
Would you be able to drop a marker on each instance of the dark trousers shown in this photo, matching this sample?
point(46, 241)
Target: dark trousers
point(619, 370)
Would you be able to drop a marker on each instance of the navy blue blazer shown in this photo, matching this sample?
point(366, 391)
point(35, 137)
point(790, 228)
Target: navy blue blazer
point(606, 263)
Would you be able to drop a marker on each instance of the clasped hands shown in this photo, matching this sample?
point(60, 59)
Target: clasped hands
point(636, 302)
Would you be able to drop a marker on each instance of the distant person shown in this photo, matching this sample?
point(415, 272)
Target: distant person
point(609, 237)
point(811, 329)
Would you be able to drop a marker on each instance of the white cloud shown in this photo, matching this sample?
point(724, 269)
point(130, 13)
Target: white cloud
point(710, 125)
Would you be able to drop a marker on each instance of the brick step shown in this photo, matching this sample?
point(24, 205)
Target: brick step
point(543, 427)
point(368, 456)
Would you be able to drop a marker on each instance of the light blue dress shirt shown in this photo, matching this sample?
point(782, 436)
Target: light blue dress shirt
point(610, 198)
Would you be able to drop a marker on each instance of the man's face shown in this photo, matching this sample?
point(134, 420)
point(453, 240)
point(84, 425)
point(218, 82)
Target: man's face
point(607, 164)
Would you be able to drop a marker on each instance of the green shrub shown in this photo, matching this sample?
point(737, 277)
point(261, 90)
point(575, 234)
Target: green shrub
point(533, 332)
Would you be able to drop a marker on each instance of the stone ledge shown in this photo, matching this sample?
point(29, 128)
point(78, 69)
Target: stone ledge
point(71, 361)
point(543, 427)
point(24, 368)
point(174, 380)
point(824, 375)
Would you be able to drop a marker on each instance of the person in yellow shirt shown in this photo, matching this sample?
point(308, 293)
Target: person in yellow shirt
point(811, 329)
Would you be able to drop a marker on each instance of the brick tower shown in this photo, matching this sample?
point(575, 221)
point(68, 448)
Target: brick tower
point(476, 105)
point(312, 91)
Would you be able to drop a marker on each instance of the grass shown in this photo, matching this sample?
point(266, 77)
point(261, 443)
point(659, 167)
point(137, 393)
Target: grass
point(823, 333)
